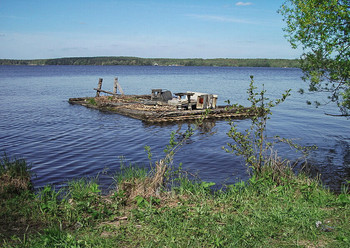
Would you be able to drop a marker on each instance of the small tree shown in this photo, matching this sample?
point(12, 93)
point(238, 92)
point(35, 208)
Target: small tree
point(253, 143)
point(322, 29)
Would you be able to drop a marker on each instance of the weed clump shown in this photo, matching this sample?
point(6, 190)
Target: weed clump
point(15, 176)
point(133, 182)
point(92, 101)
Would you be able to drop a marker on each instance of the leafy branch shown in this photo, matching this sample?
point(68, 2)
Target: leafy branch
point(253, 142)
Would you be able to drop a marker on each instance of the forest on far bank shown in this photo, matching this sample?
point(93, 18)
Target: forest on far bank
point(289, 63)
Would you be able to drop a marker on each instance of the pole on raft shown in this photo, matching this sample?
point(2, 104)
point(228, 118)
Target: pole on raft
point(99, 87)
point(117, 85)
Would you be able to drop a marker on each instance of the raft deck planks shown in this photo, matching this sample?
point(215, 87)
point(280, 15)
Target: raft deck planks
point(134, 106)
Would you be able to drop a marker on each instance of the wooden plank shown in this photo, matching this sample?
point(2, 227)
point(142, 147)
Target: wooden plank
point(104, 91)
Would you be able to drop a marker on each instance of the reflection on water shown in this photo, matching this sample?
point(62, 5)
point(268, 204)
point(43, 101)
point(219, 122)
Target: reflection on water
point(330, 174)
point(205, 127)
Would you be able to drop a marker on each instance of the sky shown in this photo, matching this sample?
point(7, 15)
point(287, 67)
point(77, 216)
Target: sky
point(39, 29)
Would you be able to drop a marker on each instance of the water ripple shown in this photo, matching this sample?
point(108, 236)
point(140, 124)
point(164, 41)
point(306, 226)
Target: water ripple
point(64, 141)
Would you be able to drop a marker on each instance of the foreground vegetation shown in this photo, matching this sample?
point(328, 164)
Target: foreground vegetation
point(156, 61)
point(293, 211)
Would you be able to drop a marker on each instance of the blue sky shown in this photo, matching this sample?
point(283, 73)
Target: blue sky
point(33, 29)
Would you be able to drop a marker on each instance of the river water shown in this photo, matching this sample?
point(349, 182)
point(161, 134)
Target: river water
point(63, 141)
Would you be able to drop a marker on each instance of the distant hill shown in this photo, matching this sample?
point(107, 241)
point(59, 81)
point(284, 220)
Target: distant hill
point(156, 62)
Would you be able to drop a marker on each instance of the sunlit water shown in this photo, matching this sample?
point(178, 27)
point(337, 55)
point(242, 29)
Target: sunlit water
point(64, 141)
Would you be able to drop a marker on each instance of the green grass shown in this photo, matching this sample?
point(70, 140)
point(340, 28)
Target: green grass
point(91, 101)
point(258, 213)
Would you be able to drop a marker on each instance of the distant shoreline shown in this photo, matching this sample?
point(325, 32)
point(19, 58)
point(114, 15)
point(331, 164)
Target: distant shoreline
point(218, 62)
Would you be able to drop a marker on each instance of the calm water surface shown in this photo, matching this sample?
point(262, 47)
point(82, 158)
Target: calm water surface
point(63, 141)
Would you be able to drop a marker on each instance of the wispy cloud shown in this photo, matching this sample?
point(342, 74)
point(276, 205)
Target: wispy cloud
point(243, 3)
point(219, 18)
point(13, 17)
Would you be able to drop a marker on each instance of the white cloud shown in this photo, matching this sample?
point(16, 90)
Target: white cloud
point(243, 3)
point(219, 18)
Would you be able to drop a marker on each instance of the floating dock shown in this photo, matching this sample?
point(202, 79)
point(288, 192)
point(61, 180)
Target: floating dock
point(135, 106)
point(160, 106)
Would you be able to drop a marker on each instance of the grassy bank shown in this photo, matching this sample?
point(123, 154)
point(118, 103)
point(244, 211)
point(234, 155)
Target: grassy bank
point(165, 209)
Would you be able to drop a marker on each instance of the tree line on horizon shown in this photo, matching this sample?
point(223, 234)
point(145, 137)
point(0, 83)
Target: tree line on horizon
point(220, 62)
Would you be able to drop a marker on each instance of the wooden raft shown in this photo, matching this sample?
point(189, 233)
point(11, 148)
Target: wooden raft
point(136, 106)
